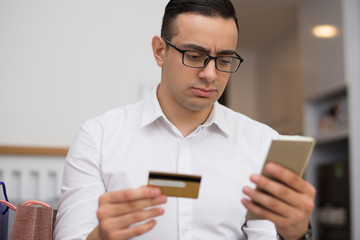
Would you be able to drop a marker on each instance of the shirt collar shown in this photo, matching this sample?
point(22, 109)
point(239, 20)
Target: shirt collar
point(152, 111)
point(217, 117)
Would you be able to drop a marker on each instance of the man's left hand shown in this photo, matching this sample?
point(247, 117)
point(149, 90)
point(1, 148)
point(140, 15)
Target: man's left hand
point(289, 203)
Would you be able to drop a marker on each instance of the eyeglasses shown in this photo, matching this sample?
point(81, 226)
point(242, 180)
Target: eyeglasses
point(196, 59)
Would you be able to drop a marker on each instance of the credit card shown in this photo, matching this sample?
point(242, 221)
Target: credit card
point(176, 185)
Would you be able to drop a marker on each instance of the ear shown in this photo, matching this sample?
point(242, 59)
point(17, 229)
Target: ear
point(159, 47)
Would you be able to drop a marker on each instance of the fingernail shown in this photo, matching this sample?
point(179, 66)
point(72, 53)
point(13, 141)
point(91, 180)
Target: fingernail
point(271, 167)
point(244, 201)
point(246, 190)
point(254, 178)
point(163, 199)
point(155, 191)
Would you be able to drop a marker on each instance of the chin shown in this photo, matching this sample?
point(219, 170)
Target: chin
point(200, 107)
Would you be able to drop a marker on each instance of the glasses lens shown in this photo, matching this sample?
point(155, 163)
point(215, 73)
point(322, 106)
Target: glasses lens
point(199, 60)
point(194, 59)
point(227, 64)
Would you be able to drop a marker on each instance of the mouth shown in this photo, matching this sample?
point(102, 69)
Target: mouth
point(204, 92)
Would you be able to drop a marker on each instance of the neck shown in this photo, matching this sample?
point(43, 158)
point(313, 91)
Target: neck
point(184, 119)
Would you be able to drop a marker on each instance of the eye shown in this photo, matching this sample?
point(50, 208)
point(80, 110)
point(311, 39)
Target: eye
point(194, 56)
point(224, 61)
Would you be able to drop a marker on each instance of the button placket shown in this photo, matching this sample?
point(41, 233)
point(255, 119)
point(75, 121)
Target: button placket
point(185, 205)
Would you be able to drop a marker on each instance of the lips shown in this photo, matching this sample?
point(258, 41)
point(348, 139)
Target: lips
point(204, 92)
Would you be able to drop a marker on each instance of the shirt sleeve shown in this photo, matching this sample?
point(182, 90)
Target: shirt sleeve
point(262, 229)
point(259, 230)
point(82, 185)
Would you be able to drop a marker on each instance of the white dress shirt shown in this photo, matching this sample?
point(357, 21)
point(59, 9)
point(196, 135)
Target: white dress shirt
point(118, 149)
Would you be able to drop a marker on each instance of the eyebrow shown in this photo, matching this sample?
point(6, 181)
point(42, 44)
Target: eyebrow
point(192, 46)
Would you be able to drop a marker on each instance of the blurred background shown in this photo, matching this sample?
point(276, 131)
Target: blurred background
point(63, 62)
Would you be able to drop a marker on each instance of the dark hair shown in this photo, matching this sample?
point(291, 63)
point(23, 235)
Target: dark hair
point(210, 8)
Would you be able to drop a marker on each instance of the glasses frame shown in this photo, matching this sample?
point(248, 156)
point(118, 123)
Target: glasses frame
point(207, 60)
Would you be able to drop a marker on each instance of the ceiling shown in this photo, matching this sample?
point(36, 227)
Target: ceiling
point(264, 21)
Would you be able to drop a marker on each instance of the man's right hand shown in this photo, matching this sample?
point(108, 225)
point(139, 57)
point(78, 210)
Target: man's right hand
point(119, 210)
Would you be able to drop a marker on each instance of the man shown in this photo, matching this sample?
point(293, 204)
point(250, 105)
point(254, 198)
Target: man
point(181, 128)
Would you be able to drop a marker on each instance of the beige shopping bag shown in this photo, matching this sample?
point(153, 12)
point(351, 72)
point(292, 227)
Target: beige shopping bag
point(32, 223)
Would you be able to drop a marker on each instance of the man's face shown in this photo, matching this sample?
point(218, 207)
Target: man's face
point(196, 89)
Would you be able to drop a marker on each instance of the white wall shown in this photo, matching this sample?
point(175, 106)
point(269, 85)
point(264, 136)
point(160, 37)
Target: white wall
point(242, 87)
point(351, 18)
point(63, 62)
point(267, 86)
point(279, 92)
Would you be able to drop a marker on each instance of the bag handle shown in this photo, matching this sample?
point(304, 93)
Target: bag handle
point(12, 207)
point(33, 202)
point(4, 190)
point(6, 197)
point(9, 205)
point(27, 203)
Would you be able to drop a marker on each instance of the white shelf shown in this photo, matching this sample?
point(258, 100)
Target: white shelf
point(333, 135)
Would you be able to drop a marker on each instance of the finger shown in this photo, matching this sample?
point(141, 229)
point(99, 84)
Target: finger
point(129, 219)
point(261, 211)
point(140, 204)
point(133, 231)
point(284, 224)
point(113, 210)
point(268, 202)
point(123, 222)
point(276, 189)
point(131, 194)
point(286, 194)
point(289, 178)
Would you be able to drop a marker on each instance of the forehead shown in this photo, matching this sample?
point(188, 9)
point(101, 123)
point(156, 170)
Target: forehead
point(211, 32)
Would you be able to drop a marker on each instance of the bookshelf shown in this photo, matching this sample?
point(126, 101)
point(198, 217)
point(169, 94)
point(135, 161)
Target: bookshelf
point(326, 118)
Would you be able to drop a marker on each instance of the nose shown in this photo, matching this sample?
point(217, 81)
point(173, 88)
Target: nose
point(209, 72)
